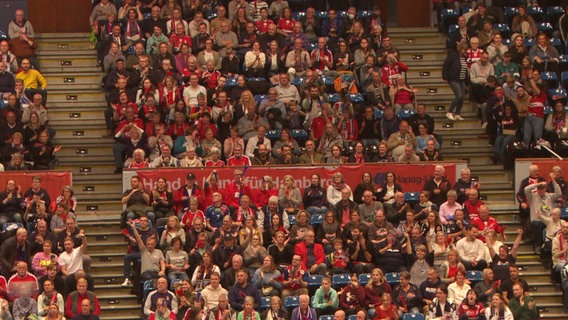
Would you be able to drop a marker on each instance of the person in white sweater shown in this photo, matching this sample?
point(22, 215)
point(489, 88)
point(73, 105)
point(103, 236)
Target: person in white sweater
point(541, 204)
point(212, 291)
point(472, 250)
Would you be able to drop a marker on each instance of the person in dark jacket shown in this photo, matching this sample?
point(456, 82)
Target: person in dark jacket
point(455, 72)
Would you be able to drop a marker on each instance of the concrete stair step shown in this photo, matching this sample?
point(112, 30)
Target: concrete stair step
point(48, 36)
point(90, 68)
point(75, 116)
point(101, 150)
point(72, 78)
point(95, 169)
point(73, 87)
point(91, 135)
point(63, 61)
point(89, 108)
point(64, 52)
point(62, 45)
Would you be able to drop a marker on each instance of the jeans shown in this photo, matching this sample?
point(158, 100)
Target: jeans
point(533, 128)
point(316, 210)
point(128, 260)
point(500, 146)
point(458, 87)
point(537, 228)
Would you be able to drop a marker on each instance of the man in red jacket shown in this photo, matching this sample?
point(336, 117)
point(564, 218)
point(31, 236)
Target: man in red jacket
point(313, 257)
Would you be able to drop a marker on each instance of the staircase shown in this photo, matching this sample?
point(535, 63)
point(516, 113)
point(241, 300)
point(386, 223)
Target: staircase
point(76, 105)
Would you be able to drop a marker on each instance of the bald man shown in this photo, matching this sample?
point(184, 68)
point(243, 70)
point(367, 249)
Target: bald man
point(22, 282)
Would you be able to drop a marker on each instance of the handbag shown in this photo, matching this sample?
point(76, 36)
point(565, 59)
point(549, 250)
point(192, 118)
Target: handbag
point(509, 132)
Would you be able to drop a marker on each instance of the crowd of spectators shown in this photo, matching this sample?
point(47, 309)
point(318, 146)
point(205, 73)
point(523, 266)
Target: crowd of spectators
point(252, 83)
point(513, 72)
point(216, 251)
point(25, 134)
point(242, 83)
point(44, 263)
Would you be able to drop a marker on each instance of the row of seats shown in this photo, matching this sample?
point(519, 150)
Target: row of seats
point(538, 14)
point(505, 30)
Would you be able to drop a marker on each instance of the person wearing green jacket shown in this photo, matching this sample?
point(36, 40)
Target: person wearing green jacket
point(325, 301)
point(522, 306)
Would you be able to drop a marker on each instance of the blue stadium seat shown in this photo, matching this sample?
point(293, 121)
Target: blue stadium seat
point(342, 14)
point(326, 318)
point(356, 97)
point(536, 12)
point(557, 43)
point(559, 93)
point(564, 213)
point(312, 46)
point(510, 12)
point(340, 280)
point(315, 280)
point(474, 275)
point(291, 302)
point(146, 15)
point(564, 78)
point(545, 27)
point(553, 13)
point(299, 134)
point(563, 61)
point(447, 17)
point(503, 29)
point(298, 81)
point(378, 114)
point(316, 219)
point(11, 226)
point(264, 303)
point(411, 196)
point(550, 77)
point(231, 82)
point(413, 316)
point(147, 287)
point(364, 278)
point(404, 114)
point(273, 134)
point(256, 79)
point(529, 42)
point(259, 97)
point(352, 317)
point(292, 219)
point(212, 16)
point(328, 81)
point(298, 15)
point(453, 28)
point(392, 278)
point(333, 98)
point(322, 14)
point(364, 14)
point(547, 110)
point(3, 35)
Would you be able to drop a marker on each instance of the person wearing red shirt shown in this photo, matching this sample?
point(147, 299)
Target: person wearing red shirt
point(262, 24)
point(235, 190)
point(20, 281)
point(313, 256)
point(178, 38)
point(391, 69)
point(485, 223)
point(238, 159)
point(74, 306)
point(472, 204)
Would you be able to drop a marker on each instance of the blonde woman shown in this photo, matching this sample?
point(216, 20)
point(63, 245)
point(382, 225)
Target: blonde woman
point(290, 196)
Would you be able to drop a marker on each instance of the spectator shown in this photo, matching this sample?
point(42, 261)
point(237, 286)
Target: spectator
point(13, 251)
point(160, 294)
point(242, 289)
point(304, 309)
point(471, 250)
point(22, 283)
point(153, 263)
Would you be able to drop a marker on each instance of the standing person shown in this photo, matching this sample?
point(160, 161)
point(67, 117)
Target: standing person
point(541, 203)
point(455, 72)
point(152, 259)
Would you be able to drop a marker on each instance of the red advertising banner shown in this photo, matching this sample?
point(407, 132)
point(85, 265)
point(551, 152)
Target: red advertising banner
point(52, 181)
point(545, 166)
point(410, 177)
